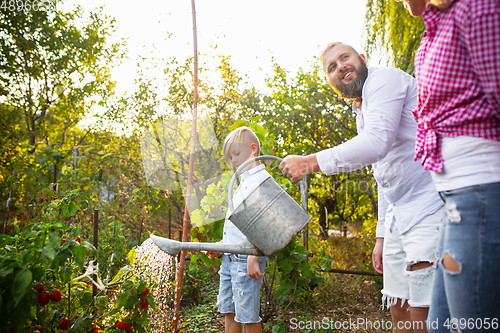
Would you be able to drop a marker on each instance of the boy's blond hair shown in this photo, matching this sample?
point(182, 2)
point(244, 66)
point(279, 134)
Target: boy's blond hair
point(242, 134)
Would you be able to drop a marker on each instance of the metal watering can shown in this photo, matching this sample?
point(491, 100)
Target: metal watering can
point(268, 217)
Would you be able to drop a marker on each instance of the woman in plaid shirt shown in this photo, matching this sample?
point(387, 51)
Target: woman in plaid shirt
point(457, 67)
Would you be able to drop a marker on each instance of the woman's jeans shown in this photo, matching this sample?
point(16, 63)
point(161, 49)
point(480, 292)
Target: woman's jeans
point(468, 300)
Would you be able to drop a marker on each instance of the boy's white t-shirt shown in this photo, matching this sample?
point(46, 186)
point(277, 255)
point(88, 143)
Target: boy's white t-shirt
point(250, 180)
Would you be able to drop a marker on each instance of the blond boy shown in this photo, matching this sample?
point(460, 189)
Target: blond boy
point(241, 275)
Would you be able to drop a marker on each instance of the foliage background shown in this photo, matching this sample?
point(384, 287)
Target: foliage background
point(55, 71)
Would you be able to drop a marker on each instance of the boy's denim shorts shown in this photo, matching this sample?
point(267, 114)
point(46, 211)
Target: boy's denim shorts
point(238, 292)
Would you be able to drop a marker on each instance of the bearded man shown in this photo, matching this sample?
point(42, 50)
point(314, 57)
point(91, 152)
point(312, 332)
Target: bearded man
point(409, 207)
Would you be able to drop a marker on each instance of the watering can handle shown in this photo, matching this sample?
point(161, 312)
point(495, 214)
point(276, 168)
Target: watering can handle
point(303, 181)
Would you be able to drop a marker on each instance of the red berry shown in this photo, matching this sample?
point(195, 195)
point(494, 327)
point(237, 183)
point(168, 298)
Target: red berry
point(63, 324)
point(41, 198)
point(79, 240)
point(96, 330)
point(145, 292)
point(39, 287)
point(63, 241)
point(39, 328)
point(195, 280)
point(55, 296)
point(43, 299)
point(123, 326)
point(144, 304)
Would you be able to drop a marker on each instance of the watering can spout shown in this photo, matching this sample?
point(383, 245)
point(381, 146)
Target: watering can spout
point(173, 247)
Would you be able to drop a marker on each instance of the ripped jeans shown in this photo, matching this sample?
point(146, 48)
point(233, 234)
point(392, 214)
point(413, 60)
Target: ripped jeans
point(466, 293)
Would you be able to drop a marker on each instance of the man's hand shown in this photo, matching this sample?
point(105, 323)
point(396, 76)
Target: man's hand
point(253, 268)
point(377, 255)
point(297, 167)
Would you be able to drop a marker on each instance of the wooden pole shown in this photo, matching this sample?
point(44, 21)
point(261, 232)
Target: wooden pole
point(304, 198)
point(140, 233)
point(54, 184)
point(169, 223)
point(190, 175)
point(355, 272)
point(69, 304)
point(96, 241)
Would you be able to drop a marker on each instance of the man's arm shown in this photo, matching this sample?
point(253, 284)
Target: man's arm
point(385, 97)
point(378, 252)
point(297, 167)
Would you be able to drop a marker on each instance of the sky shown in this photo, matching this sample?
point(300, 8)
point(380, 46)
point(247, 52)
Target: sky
point(251, 32)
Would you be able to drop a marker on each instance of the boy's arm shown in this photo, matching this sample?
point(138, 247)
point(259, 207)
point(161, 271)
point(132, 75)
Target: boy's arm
point(253, 267)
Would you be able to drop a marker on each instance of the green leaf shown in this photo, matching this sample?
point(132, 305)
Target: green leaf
point(41, 160)
point(60, 259)
point(286, 265)
point(326, 263)
point(79, 254)
point(207, 261)
point(60, 225)
point(69, 210)
point(131, 256)
point(237, 124)
point(194, 234)
point(66, 274)
point(197, 217)
point(4, 240)
point(121, 301)
point(89, 246)
point(131, 301)
point(48, 251)
point(54, 240)
point(5, 272)
point(21, 283)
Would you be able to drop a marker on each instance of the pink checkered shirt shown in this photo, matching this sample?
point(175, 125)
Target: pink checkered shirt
point(457, 67)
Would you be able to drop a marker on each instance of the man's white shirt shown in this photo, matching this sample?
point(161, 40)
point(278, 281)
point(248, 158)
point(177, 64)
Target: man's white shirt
point(386, 140)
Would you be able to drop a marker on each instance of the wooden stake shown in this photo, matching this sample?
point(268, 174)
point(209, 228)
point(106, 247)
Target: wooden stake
point(186, 223)
point(54, 184)
point(140, 233)
point(96, 241)
point(169, 223)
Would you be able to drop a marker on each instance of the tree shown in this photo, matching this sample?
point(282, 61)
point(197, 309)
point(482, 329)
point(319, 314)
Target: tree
point(55, 67)
point(391, 29)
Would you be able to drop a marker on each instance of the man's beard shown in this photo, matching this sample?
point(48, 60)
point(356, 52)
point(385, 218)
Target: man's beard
point(355, 89)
